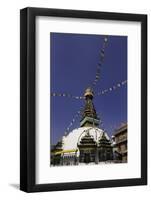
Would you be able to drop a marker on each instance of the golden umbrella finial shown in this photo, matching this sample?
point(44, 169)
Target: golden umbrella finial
point(88, 93)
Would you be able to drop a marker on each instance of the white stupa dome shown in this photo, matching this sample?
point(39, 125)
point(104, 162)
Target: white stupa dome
point(71, 141)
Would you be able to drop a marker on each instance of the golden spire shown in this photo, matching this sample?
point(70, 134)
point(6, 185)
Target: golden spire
point(89, 115)
point(89, 93)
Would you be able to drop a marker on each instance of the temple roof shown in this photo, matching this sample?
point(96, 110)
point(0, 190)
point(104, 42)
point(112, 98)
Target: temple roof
point(87, 140)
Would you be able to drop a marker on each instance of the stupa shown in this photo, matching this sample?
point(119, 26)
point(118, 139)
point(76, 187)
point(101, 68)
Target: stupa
point(87, 144)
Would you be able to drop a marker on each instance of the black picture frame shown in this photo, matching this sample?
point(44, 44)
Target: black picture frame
point(28, 98)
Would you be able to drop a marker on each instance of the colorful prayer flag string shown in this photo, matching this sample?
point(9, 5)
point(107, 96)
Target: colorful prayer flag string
point(114, 87)
point(73, 121)
point(54, 94)
point(99, 65)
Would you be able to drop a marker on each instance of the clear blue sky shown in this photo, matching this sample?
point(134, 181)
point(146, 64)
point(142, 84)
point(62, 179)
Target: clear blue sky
point(74, 58)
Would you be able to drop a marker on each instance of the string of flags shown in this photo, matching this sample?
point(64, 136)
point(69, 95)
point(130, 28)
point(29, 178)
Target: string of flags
point(99, 65)
point(73, 121)
point(54, 94)
point(114, 87)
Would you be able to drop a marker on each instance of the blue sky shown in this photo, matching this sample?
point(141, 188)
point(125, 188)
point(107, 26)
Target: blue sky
point(74, 58)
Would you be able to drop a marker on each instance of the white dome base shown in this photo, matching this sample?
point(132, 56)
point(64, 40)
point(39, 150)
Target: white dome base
point(71, 140)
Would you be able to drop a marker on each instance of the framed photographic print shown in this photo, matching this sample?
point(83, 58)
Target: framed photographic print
point(83, 99)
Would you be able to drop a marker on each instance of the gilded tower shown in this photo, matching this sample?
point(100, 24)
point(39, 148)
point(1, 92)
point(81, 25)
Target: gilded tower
point(89, 115)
